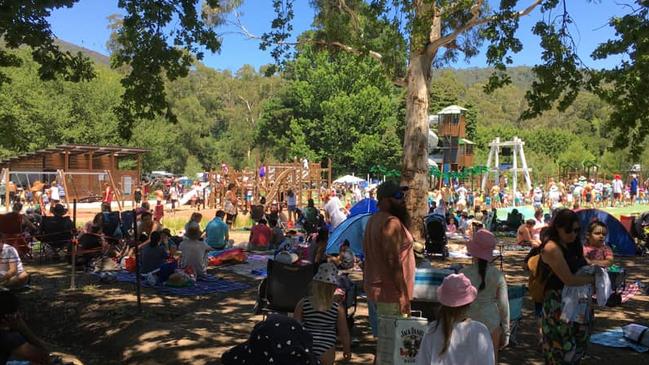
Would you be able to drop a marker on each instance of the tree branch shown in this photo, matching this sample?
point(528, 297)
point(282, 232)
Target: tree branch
point(475, 20)
point(248, 35)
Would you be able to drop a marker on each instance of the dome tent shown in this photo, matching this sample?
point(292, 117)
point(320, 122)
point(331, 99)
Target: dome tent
point(351, 229)
point(617, 237)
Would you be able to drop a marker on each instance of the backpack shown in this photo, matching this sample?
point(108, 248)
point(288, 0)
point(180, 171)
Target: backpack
point(537, 280)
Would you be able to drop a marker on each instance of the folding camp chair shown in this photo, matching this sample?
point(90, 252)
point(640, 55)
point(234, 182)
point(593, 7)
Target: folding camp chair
point(11, 226)
point(54, 235)
point(516, 294)
point(284, 287)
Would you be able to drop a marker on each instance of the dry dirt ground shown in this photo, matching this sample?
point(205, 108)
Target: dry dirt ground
point(99, 323)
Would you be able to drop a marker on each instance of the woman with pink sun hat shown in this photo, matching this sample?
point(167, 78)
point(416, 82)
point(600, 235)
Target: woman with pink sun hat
point(491, 307)
point(454, 338)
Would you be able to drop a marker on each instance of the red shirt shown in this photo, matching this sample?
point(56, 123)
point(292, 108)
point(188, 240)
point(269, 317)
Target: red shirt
point(260, 235)
point(108, 195)
point(598, 253)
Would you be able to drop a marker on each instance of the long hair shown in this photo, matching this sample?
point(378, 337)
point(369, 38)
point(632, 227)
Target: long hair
point(482, 270)
point(447, 318)
point(322, 295)
point(154, 239)
point(563, 219)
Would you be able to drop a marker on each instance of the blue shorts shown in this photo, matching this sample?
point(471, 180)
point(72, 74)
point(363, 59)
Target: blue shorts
point(292, 208)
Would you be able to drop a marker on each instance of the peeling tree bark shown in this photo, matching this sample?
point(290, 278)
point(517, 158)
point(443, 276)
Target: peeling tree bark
point(415, 142)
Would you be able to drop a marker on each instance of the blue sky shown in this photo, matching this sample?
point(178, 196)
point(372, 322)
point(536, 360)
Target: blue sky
point(85, 24)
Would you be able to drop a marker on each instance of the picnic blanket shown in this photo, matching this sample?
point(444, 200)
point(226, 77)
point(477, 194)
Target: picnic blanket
point(254, 267)
point(615, 338)
point(203, 286)
point(629, 291)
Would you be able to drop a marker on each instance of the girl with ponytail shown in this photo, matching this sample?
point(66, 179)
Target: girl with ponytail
point(491, 307)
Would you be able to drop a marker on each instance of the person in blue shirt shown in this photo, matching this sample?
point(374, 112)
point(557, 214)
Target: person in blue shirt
point(217, 232)
point(634, 188)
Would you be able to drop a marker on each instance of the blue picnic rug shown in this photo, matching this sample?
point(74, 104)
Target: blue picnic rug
point(203, 286)
point(615, 338)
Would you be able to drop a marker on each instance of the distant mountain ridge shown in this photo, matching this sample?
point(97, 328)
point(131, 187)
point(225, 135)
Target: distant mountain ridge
point(522, 76)
point(93, 55)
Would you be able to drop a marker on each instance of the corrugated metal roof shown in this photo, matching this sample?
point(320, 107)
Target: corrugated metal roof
point(77, 148)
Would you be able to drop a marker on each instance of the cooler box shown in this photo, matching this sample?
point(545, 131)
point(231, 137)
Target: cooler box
point(427, 280)
point(627, 222)
point(399, 339)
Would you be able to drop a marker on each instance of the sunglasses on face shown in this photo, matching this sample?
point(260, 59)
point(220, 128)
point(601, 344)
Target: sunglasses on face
point(399, 195)
point(574, 230)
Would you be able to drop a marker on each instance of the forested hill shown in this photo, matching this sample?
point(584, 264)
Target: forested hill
point(94, 56)
point(339, 106)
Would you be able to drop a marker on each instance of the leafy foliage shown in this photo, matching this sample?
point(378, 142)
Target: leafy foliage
point(25, 23)
point(339, 106)
point(625, 86)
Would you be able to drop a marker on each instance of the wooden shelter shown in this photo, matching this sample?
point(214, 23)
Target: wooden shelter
point(82, 169)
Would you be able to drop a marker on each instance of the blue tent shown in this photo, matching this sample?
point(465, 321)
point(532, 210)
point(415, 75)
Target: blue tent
point(617, 236)
point(353, 230)
point(366, 205)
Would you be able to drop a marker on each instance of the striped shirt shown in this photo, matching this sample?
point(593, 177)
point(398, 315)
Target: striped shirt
point(321, 325)
point(9, 255)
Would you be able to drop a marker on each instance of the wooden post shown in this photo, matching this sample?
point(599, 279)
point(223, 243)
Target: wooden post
point(329, 173)
point(73, 284)
point(137, 265)
point(6, 179)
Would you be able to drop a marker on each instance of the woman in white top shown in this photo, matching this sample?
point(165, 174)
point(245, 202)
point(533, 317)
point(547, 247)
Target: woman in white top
point(492, 304)
point(455, 339)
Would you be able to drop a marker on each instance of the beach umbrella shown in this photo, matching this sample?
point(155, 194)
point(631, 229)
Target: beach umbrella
point(348, 179)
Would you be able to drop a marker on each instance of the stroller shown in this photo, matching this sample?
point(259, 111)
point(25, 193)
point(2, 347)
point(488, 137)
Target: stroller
point(640, 232)
point(435, 228)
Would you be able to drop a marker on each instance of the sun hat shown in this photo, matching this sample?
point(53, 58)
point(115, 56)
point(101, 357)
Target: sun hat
point(277, 340)
point(327, 273)
point(482, 245)
point(456, 290)
point(59, 209)
point(388, 189)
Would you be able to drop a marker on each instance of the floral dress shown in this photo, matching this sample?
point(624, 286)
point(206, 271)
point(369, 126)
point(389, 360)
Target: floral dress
point(563, 342)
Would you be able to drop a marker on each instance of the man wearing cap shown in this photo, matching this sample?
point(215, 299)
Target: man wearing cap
point(389, 268)
point(618, 186)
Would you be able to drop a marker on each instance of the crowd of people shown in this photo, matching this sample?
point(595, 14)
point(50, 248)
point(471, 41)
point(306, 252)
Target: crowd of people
point(473, 322)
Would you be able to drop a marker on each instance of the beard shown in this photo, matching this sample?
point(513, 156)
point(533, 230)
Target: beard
point(400, 211)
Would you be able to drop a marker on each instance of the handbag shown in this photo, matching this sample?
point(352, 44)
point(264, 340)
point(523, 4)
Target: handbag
point(399, 339)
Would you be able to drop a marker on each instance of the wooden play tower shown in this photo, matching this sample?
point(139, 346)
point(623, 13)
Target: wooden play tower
point(305, 179)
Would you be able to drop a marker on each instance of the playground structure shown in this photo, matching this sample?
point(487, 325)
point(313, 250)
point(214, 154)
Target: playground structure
point(82, 170)
point(305, 179)
point(493, 163)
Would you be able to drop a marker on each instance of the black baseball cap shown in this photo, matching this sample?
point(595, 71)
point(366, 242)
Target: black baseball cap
point(389, 189)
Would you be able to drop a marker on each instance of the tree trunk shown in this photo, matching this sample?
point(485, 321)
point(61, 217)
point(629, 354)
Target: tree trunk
point(415, 145)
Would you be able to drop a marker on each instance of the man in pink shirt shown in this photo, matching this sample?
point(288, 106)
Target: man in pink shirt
point(389, 269)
